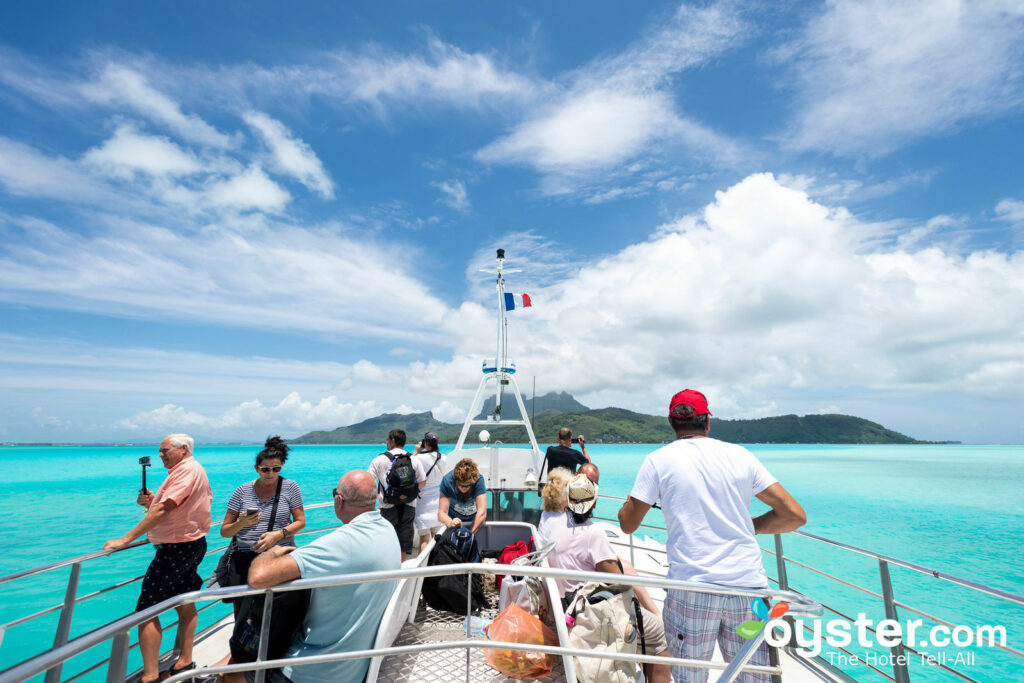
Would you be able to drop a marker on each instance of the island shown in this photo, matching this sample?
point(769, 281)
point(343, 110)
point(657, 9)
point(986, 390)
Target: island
point(618, 425)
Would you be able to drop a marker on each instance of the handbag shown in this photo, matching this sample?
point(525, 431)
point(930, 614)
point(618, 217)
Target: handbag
point(606, 620)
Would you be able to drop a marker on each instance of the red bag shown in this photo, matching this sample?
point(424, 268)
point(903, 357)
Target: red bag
point(511, 552)
point(516, 625)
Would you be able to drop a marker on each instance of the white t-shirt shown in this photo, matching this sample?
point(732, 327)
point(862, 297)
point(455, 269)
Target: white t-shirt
point(577, 546)
point(705, 486)
point(379, 467)
point(550, 522)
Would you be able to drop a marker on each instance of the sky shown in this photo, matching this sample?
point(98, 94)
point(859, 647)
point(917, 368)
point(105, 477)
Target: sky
point(237, 219)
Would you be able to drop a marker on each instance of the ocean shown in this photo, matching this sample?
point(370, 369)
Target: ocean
point(953, 508)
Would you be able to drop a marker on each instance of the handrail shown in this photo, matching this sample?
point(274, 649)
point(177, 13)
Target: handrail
point(935, 573)
point(60, 564)
point(800, 605)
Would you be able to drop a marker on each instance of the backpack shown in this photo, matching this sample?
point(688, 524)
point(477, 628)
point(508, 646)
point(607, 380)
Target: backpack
point(401, 487)
point(448, 592)
point(607, 619)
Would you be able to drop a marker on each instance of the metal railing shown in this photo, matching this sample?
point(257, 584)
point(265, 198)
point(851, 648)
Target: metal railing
point(72, 599)
point(891, 605)
point(900, 671)
point(118, 631)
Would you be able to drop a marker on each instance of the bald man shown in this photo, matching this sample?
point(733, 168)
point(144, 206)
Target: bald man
point(340, 618)
point(590, 470)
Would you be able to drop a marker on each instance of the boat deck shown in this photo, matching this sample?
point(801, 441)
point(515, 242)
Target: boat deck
point(437, 626)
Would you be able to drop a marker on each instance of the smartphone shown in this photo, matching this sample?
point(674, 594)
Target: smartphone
point(251, 511)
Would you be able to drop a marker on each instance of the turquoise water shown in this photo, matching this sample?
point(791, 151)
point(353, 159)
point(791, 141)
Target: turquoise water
point(956, 509)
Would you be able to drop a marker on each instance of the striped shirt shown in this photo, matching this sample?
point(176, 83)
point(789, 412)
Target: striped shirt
point(245, 497)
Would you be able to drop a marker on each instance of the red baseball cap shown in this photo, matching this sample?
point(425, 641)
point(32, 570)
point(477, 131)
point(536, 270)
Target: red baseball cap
point(692, 398)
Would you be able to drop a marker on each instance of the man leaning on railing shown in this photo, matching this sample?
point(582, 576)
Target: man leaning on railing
point(177, 521)
point(705, 486)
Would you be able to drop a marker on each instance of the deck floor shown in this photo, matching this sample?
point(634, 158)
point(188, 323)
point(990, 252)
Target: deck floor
point(438, 626)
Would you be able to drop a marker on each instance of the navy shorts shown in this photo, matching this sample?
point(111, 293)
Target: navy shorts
point(173, 571)
point(401, 517)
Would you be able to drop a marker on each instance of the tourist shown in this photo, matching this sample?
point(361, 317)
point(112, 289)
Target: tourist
point(463, 501)
point(433, 463)
point(583, 546)
point(250, 531)
point(176, 523)
point(554, 501)
point(397, 497)
point(705, 487)
point(339, 618)
point(563, 455)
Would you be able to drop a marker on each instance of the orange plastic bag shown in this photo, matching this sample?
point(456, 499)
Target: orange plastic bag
point(516, 625)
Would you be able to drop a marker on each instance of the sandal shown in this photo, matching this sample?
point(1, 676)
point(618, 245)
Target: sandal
point(172, 671)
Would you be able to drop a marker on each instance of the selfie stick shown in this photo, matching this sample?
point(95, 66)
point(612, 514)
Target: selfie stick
point(144, 461)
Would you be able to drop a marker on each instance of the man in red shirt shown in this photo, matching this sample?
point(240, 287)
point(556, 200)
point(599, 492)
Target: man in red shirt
point(177, 521)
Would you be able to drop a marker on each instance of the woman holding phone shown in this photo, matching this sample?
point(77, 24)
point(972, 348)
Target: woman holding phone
point(248, 519)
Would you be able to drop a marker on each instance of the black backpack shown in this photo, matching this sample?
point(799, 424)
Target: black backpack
point(401, 487)
point(448, 592)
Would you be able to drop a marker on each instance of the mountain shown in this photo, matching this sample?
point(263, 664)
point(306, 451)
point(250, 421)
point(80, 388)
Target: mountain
point(375, 430)
point(562, 402)
point(617, 425)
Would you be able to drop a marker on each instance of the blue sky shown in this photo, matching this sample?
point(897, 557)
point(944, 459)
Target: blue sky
point(236, 219)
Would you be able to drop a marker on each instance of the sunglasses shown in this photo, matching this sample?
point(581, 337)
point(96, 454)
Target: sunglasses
point(335, 494)
point(264, 470)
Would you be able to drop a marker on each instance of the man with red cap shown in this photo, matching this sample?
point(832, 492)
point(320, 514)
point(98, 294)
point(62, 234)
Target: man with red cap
point(705, 486)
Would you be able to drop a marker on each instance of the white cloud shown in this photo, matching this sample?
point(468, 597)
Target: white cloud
point(291, 413)
point(874, 75)
point(27, 172)
point(446, 411)
point(453, 194)
point(447, 74)
point(129, 151)
point(120, 84)
point(766, 292)
point(1011, 211)
point(253, 274)
point(618, 108)
point(290, 155)
point(251, 189)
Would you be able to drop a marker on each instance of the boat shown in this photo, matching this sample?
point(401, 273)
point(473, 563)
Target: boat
point(416, 643)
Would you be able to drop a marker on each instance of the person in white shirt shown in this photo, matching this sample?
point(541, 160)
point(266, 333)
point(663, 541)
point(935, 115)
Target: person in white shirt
point(554, 496)
point(705, 486)
point(582, 545)
point(432, 462)
point(401, 515)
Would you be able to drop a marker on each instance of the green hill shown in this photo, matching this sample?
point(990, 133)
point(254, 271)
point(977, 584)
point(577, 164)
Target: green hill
point(617, 425)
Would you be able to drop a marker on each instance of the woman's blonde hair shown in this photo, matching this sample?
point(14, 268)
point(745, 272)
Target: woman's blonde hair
point(466, 472)
point(554, 492)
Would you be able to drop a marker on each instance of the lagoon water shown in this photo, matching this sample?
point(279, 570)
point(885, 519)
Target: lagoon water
point(956, 509)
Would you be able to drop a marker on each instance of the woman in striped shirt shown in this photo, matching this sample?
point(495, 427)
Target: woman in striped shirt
point(250, 530)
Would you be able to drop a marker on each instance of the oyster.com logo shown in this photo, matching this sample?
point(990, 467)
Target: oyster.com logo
point(749, 629)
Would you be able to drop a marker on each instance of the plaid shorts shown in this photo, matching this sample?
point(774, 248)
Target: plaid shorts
point(694, 622)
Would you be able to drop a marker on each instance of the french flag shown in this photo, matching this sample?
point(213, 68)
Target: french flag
point(514, 300)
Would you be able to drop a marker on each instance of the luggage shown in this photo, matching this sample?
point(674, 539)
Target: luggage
point(449, 592)
point(511, 552)
point(605, 621)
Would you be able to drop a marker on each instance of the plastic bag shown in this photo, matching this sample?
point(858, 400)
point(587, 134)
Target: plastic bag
point(516, 625)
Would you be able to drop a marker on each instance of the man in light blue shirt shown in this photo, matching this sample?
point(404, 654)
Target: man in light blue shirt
point(340, 618)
